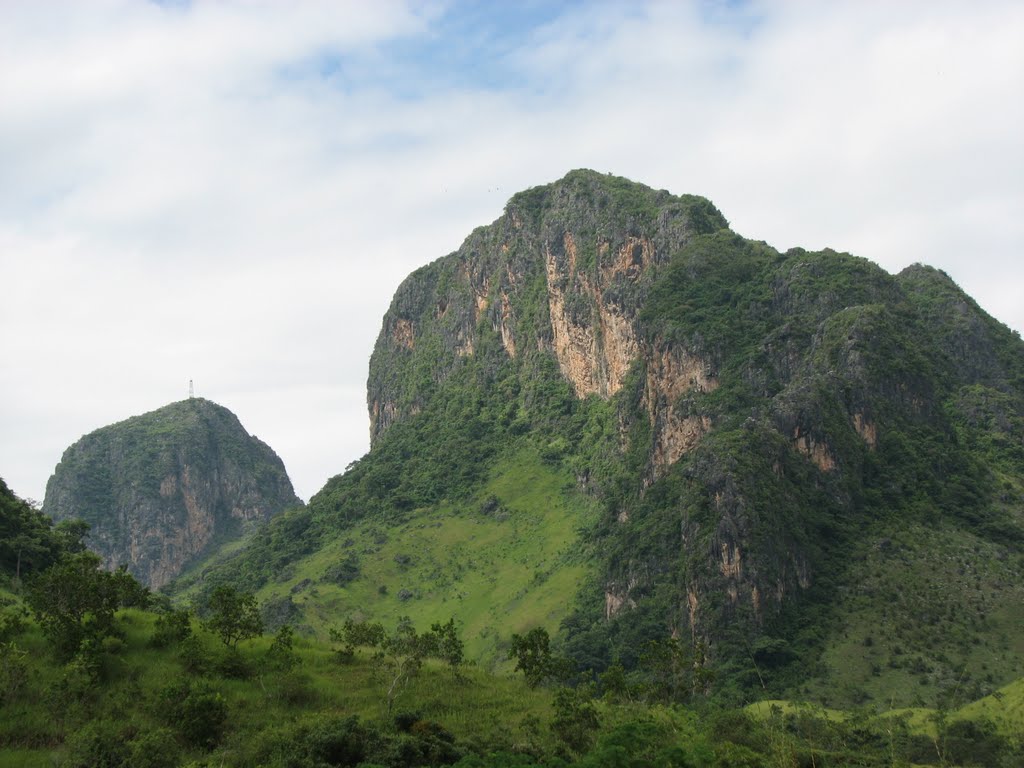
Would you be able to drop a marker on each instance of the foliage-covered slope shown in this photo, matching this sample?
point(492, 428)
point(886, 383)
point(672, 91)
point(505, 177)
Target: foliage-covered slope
point(156, 700)
point(160, 489)
point(757, 427)
point(28, 541)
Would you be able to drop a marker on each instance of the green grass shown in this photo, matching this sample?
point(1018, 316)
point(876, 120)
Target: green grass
point(33, 728)
point(496, 574)
point(934, 619)
point(1005, 708)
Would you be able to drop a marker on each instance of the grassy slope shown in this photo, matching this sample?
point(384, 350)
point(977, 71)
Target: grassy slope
point(32, 730)
point(495, 573)
point(957, 599)
point(1004, 708)
point(496, 710)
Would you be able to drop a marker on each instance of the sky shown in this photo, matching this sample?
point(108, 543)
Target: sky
point(229, 192)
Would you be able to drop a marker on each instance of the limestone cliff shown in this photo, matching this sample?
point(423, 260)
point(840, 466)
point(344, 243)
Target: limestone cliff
point(161, 489)
point(768, 407)
point(563, 272)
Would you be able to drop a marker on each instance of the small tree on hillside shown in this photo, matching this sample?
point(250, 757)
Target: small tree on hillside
point(399, 655)
point(234, 615)
point(449, 646)
point(533, 656)
point(74, 601)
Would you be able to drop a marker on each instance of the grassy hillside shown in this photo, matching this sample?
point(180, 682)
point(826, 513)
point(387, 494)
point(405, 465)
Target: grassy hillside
point(246, 709)
point(504, 560)
point(934, 616)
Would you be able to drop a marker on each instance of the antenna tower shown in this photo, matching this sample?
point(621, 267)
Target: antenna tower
point(191, 390)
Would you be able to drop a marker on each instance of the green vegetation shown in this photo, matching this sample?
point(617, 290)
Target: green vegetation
point(28, 540)
point(501, 561)
point(148, 704)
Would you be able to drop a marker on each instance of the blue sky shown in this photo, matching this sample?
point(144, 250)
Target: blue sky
point(230, 191)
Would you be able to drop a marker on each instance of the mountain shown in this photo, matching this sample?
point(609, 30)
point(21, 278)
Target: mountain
point(610, 415)
point(161, 489)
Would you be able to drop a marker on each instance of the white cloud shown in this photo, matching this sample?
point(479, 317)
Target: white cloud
point(231, 192)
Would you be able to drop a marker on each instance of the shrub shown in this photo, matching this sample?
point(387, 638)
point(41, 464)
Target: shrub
point(193, 656)
point(99, 744)
point(196, 711)
point(13, 672)
point(155, 748)
point(171, 627)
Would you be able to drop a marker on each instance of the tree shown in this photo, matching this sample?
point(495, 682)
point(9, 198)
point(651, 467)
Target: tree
point(234, 615)
point(575, 719)
point(72, 534)
point(281, 654)
point(399, 655)
point(27, 541)
point(675, 671)
point(130, 593)
point(74, 601)
point(450, 647)
point(356, 634)
point(532, 653)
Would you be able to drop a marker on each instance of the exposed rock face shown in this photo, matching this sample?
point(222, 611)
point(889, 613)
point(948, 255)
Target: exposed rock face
point(160, 489)
point(672, 373)
point(569, 283)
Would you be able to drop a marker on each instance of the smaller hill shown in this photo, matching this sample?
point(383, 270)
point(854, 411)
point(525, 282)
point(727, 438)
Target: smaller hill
point(162, 489)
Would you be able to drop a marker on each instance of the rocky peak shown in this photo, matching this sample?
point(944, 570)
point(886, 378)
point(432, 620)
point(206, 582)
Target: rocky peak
point(564, 271)
point(160, 489)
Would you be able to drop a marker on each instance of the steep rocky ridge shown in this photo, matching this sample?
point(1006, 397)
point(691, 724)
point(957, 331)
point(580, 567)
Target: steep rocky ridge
point(161, 489)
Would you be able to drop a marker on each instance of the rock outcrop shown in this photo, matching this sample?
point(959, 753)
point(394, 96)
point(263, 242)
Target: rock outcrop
point(564, 271)
point(162, 489)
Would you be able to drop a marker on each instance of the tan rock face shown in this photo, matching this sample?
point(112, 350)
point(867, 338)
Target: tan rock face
point(403, 334)
point(818, 452)
point(866, 429)
point(635, 256)
point(692, 604)
point(382, 415)
point(731, 563)
point(594, 350)
point(617, 596)
point(508, 340)
point(671, 373)
point(573, 343)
